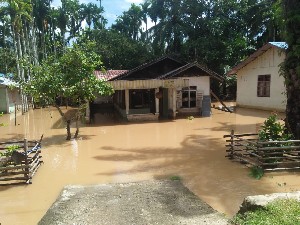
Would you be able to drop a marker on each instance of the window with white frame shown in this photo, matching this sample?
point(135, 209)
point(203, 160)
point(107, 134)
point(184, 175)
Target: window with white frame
point(189, 95)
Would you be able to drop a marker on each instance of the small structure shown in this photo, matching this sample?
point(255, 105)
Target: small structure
point(163, 88)
point(19, 161)
point(267, 155)
point(259, 84)
point(9, 95)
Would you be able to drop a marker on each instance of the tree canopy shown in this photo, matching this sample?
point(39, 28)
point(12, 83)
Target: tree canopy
point(70, 76)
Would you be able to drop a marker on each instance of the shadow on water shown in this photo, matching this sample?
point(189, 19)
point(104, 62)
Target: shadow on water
point(198, 160)
point(226, 127)
point(254, 112)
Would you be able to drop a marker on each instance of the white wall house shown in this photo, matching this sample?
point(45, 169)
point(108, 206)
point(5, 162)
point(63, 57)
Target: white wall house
point(259, 84)
point(163, 88)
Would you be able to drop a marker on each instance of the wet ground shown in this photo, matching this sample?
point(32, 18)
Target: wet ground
point(116, 152)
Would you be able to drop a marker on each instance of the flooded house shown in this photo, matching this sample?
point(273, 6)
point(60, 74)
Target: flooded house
point(161, 89)
point(9, 95)
point(259, 84)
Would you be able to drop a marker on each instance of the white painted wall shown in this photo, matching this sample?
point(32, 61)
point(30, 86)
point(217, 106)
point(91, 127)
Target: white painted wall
point(202, 83)
point(267, 63)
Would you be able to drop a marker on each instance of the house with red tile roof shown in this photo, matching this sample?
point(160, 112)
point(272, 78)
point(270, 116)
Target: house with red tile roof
point(108, 74)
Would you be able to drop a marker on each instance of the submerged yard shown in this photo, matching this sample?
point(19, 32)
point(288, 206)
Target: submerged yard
point(117, 152)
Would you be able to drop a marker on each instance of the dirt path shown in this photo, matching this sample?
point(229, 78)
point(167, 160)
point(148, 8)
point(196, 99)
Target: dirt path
point(149, 202)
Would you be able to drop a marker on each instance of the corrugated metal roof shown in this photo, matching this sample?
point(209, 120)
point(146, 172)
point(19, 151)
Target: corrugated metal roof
point(282, 45)
point(259, 52)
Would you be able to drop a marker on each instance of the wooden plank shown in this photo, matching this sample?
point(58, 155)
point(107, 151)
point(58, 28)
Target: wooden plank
point(11, 173)
point(223, 104)
point(273, 142)
point(278, 163)
point(13, 178)
point(14, 167)
point(241, 158)
point(241, 135)
point(282, 168)
point(278, 148)
point(34, 168)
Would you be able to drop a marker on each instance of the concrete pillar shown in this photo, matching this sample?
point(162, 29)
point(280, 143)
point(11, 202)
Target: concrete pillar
point(156, 102)
point(127, 101)
point(174, 103)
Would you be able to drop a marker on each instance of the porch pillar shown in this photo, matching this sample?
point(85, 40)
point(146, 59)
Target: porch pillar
point(156, 102)
point(7, 100)
point(174, 103)
point(127, 101)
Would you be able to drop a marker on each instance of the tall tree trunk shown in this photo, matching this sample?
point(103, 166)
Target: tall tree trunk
point(77, 127)
point(66, 120)
point(292, 65)
point(68, 130)
point(33, 44)
point(18, 55)
point(25, 50)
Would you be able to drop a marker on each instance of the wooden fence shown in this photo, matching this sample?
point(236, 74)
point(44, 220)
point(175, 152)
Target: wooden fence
point(22, 163)
point(268, 155)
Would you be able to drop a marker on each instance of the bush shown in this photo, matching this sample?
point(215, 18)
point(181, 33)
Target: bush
point(9, 151)
point(256, 172)
point(273, 130)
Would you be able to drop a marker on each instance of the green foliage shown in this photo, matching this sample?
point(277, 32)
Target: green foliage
point(9, 151)
point(272, 130)
point(278, 212)
point(256, 172)
point(117, 50)
point(70, 76)
point(175, 178)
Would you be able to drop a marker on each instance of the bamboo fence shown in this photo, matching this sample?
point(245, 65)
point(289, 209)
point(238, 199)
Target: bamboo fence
point(268, 155)
point(22, 164)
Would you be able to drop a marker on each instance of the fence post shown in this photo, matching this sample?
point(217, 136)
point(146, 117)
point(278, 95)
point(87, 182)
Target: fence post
point(231, 144)
point(26, 175)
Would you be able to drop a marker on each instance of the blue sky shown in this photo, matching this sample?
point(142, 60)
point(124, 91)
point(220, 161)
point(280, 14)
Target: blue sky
point(112, 8)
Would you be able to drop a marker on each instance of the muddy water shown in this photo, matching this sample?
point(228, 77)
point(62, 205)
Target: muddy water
point(110, 152)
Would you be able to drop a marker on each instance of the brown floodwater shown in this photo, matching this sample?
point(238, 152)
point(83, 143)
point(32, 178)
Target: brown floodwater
point(115, 152)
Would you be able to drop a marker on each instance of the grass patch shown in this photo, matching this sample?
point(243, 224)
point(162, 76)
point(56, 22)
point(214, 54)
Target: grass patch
point(256, 172)
point(175, 178)
point(278, 212)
